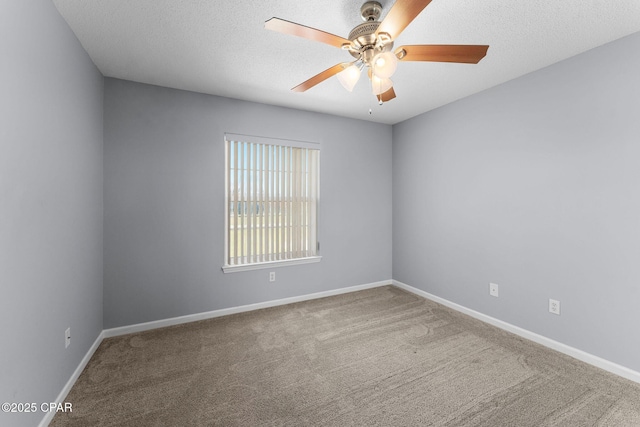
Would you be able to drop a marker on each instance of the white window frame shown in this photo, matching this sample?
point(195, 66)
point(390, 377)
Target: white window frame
point(255, 265)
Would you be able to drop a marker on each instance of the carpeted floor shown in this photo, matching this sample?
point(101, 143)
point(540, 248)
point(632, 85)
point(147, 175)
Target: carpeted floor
point(380, 357)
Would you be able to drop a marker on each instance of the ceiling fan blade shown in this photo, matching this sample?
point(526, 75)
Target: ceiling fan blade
point(467, 54)
point(387, 96)
point(319, 78)
point(286, 27)
point(401, 15)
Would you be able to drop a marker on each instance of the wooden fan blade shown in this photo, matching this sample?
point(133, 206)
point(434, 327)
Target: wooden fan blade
point(286, 27)
point(387, 96)
point(467, 54)
point(401, 15)
point(319, 78)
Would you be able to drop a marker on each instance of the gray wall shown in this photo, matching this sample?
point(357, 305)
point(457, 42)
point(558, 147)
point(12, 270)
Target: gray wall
point(534, 185)
point(164, 202)
point(50, 204)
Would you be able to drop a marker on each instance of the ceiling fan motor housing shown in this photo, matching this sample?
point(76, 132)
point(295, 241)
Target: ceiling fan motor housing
point(363, 36)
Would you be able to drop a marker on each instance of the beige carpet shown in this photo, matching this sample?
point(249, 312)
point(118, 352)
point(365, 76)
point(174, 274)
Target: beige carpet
point(380, 357)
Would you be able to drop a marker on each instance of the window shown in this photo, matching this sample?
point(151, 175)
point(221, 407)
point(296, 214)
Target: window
point(272, 200)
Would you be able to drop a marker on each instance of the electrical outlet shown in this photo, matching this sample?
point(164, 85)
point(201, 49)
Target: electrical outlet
point(272, 276)
point(493, 289)
point(554, 306)
point(67, 337)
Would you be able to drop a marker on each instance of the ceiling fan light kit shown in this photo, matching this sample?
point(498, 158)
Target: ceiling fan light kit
point(384, 65)
point(380, 86)
point(350, 76)
point(371, 44)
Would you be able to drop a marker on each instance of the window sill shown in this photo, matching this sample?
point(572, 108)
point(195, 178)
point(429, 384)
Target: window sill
point(271, 264)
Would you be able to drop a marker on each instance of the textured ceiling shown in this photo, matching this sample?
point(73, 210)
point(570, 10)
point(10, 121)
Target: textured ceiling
point(221, 47)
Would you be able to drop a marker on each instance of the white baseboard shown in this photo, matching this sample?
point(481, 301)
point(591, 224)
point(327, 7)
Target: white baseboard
point(599, 362)
point(74, 377)
point(233, 310)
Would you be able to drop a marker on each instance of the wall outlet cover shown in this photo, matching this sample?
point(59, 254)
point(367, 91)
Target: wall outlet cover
point(493, 289)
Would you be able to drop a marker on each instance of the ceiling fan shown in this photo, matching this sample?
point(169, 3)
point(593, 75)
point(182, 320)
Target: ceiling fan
point(371, 43)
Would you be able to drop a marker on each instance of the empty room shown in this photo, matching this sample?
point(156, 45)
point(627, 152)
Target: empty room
point(393, 213)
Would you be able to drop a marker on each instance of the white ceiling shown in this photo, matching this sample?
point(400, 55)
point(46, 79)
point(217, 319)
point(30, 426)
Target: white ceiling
point(220, 47)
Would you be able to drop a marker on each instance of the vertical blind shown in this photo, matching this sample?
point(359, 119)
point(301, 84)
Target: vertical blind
point(272, 201)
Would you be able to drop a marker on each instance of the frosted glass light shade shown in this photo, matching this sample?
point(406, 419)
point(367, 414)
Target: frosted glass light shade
point(384, 65)
point(349, 77)
point(379, 86)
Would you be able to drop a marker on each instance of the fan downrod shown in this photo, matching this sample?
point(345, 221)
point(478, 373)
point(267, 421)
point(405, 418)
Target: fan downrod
point(371, 11)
